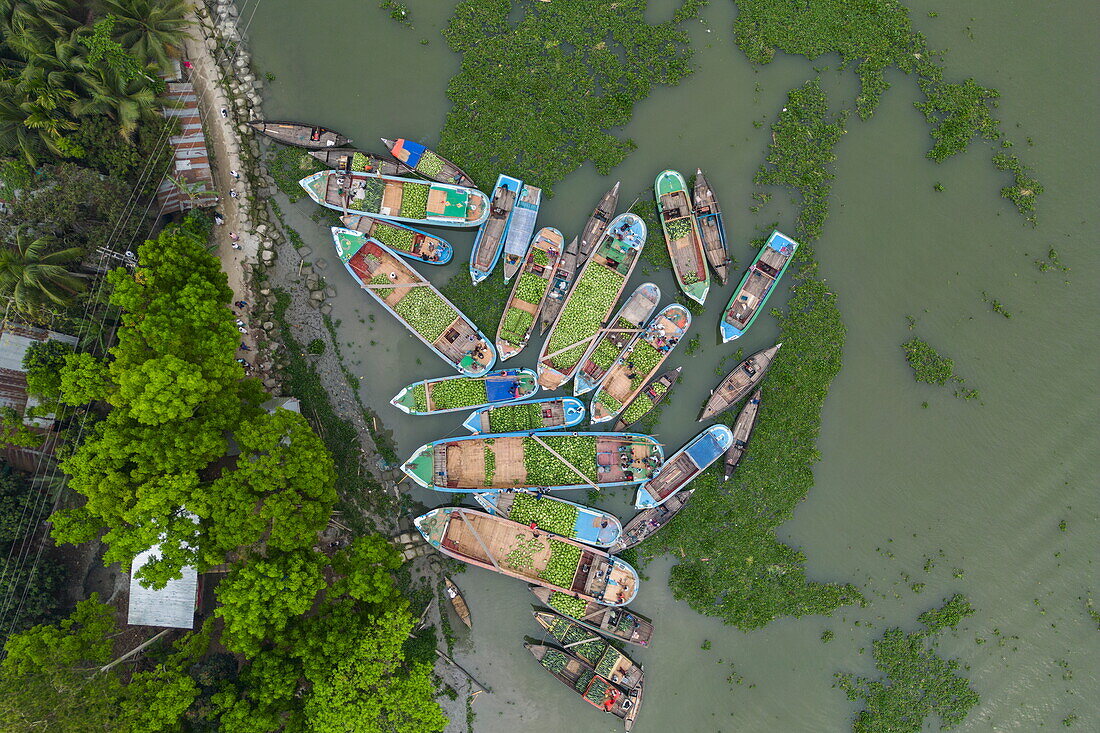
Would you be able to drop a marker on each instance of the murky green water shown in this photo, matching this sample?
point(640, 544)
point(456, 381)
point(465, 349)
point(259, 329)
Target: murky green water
point(978, 487)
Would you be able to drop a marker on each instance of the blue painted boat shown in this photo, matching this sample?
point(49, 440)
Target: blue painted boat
point(398, 199)
point(610, 345)
point(687, 463)
point(452, 394)
point(415, 302)
point(410, 243)
point(577, 522)
point(711, 227)
point(757, 285)
point(531, 460)
point(520, 229)
point(489, 242)
point(533, 416)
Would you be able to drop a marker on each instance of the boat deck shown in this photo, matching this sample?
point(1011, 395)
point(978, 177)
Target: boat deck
point(761, 278)
point(491, 236)
point(466, 537)
point(619, 383)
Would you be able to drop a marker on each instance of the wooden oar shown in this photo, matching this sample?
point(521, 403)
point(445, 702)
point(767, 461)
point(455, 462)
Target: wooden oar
point(557, 455)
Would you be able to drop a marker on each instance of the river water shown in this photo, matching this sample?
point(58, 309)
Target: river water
point(979, 487)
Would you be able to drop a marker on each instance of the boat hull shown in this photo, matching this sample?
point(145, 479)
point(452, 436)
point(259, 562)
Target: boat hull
point(682, 237)
point(474, 213)
point(742, 431)
point(637, 309)
point(489, 242)
point(546, 245)
point(748, 295)
point(426, 162)
point(623, 624)
point(592, 526)
point(684, 466)
point(426, 248)
point(662, 383)
point(711, 227)
point(521, 229)
point(497, 384)
point(300, 134)
point(647, 522)
point(344, 159)
point(739, 382)
point(572, 414)
point(597, 223)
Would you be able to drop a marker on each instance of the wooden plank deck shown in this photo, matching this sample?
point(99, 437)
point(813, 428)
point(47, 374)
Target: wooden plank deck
point(500, 538)
point(672, 477)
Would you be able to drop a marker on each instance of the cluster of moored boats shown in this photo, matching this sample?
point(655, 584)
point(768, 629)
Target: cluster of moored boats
point(523, 447)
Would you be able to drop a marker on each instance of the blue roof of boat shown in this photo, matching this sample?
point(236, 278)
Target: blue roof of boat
point(780, 242)
point(705, 449)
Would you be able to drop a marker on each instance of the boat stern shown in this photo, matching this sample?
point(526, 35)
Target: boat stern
point(625, 580)
point(433, 525)
point(421, 466)
point(697, 291)
point(644, 500)
point(473, 422)
point(729, 332)
point(405, 400)
point(574, 411)
point(315, 186)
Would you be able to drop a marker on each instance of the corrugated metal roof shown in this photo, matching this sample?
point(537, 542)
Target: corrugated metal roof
point(172, 606)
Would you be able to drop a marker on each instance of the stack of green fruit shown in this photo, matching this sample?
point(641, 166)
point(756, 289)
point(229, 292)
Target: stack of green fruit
point(420, 398)
point(608, 401)
point(394, 237)
point(567, 632)
point(646, 358)
point(381, 279)
point(582, 682)
point(553, 515)
point(515, 418)
point(459, 392)
point(562, 565)
point(371, 201)
point(597, 693)
point(520, 557)
point(605, 353)
point(531, 288)
point(490, 465)
point(515, 325)
point(358, 162)
point(414, 200)
point(541, 258)
point(544, 469)
point(567, 604)
point(678, 228)
point(639, 406)
point(592, 298)
point(607, 662)
point(426, 312)
point(430, 164)
point(554, 660)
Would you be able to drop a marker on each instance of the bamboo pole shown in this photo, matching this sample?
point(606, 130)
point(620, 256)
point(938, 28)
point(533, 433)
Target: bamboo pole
point(463, 670)
point(557, 455)
point(132, 652)
point(479, 541)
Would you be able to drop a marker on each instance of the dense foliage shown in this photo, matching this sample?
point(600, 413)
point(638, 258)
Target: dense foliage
point(928, 365)
point(42, 363)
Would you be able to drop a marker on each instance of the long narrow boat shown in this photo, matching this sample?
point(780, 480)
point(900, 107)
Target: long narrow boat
point(406, 241)
point(556, 516)
point(458, 601)
point(593, 688)
point(643, 357)
point(648, 399)
point(427, 162)
point(739, 382)
point(516, 550)
point(550, 461)
point(564, 274)
point(711, 227)
point(350, 160)
point(451, 394)
point(623, 624)
point(757, 285)
point(597, 223)
point(529, 293)
point(520, 229)
point(742, 430)
point(645, 523)
point(607, 659)
point(532, 416)
point(300, 134)
point(688, 462)
point(415, 302)
point(399, 199)
point(591, 300)
point(613, 341)
point(685, 245)
point(488, 244)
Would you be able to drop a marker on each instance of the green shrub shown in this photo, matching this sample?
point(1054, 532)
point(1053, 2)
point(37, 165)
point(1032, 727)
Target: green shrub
point(316, 346)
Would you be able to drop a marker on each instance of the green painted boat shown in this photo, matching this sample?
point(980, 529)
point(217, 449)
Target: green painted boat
point(685, 243)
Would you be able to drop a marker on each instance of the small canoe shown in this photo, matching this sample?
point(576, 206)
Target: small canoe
point(559, 286)
point(757, 285)
point(350, 160)
point(645, 523)
point(427, 162)
point(648, 399)
point(687, 463)
point(398, 199)
point(595, 689)
point(596, 225)
point(406, 241)
point(738, 383)
point(513, 549)
point(742, 430)
point(591, 300)
point(529, 293)
point(451, 394)
point(489, 242)
point(458, 601)
point(520, 229)
point(591, 648)
point(415, 302)
point(532, 416)
point(681, 230)
point(643, 357)
point(625, 326)
point(300, 134)
point(553, 515)
point(711, 227)
point(623, 624)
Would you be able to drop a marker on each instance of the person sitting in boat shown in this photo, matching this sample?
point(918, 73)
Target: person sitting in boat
point(609, 702)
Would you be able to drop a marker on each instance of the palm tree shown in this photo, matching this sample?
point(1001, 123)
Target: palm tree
point(126, 101)
point(31, 122)
point(34, 275)
point(150, 29)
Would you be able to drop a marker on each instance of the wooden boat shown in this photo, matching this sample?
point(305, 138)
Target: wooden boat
point(623, 624)
point(427, 162)
point(458, 601)
point(520, 229)
point(516, 550)
point(530, 460)
point(596, 225)
point(643, 357)
point(452, 394)
point(645, 523)
point(554, 516)
point(488, 244)
point(529, 293)
point(559, 286)
point(711, 228)
point(648, 399)
point(300, 134)
point(595, 689)
point(757, 285)
point(531, 416)
point(625, 326)
point(350, 160)
point(742, 430)
point(591, 648)
point(415, 302)
point(591, 300)
point(398, 199)
point(688, 462)
point(685, 245)
point(402, 239)
point(739, 382)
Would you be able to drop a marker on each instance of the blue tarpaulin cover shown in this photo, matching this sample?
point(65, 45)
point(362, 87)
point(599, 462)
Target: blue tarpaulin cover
point(705, 450)
point(499, 390)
